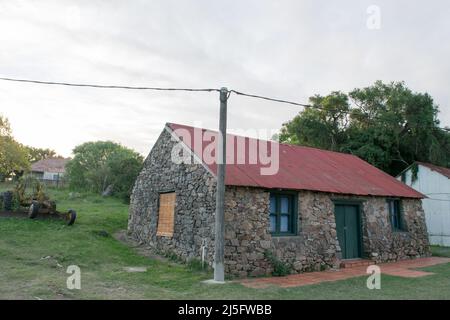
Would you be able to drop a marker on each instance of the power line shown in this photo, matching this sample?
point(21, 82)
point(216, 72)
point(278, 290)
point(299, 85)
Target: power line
point(272, 99)
point(434, 199)
point(107, 86)
point(150, 88)
point(169, 89)
point(444, 193)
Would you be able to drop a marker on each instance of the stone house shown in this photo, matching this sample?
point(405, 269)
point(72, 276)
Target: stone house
point(310, 208)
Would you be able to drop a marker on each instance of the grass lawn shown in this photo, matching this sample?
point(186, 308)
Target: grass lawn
point(34, 255)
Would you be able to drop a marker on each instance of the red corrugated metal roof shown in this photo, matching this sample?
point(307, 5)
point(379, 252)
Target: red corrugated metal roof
point(442, 170)
point(300, 168)
point(56, 165)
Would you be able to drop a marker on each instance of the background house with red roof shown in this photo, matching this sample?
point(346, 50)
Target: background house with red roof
point(434, 182)
point(49, 170)
point(316, 210)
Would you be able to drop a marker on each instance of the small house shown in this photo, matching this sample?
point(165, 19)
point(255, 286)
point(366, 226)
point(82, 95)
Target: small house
point(309, 208)
point(434, 182)
point(50, 170)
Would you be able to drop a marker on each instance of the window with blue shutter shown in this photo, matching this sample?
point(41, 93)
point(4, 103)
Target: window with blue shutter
point(395, 215)
point(282, 215)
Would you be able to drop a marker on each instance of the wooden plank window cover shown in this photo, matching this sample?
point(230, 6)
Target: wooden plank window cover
point(166, 214)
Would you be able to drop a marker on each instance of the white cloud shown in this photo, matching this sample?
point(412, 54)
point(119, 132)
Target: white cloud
point(287, 49)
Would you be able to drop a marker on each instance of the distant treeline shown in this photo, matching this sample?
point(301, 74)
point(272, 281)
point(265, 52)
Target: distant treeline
point(102, 167)
point(388, 125)
point(16, 158)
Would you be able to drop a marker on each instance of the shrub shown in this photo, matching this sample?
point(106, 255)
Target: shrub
point(104, 165)
point(279, 267)
point(195, 264)
point(169, 254)
point(15, 203)
point(74, 196)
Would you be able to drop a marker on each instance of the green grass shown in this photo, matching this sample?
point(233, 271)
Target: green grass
point(34, 255)
point(439, 251)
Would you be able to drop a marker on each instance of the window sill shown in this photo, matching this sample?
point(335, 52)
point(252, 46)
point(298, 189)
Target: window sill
point(400, 231)
point(162, 235)
point(283, 235)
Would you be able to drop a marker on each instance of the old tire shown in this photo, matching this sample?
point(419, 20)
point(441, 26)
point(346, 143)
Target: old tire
point(72, 217)
point(7, 200)
point(33, 210)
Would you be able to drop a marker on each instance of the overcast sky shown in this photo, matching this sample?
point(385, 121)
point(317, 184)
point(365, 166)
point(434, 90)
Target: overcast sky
point(286, 49)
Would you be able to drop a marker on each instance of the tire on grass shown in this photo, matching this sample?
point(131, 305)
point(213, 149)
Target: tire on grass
point(7, 200)
point(33, 210)
point(72, 217)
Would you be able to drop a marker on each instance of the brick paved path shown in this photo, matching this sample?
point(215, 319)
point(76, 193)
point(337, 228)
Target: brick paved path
point(400, 269)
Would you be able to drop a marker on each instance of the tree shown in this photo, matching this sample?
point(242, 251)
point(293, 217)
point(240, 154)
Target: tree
point(321, 125)
point(13, 157)
point(387, 125)
point(36, 154)
point(98, 165)
point(5, 127)
point(125, 168)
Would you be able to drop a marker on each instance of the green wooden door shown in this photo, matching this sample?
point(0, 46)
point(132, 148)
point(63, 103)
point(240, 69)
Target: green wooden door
point(348, 231)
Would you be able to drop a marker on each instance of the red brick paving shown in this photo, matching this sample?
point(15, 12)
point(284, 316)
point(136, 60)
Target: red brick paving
point(400, 269)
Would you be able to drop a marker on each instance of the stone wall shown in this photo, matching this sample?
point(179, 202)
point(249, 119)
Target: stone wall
point(247, 237)
point(195, 203)
point(246, 231)
point(381, 243)
point(315, 247)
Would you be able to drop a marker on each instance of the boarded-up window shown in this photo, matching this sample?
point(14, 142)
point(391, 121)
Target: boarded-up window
point(166, 214)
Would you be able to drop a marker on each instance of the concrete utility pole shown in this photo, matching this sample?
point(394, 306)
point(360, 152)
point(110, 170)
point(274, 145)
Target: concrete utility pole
point(219, 274)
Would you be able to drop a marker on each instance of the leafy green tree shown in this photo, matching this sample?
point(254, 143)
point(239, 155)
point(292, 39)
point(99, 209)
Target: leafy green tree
point(97, 166)
point(5, 127)
point(13, 157)
point(387, 125)
point(125, 167)
point(321, 125)
point(36, 154)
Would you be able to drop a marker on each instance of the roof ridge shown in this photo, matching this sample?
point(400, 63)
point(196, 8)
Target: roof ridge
point(445, 171)
point(264, 140)
point(432, 164)
point(53, 158)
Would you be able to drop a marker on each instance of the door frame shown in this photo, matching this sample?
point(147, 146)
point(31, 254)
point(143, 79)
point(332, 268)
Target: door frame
point(358, 204)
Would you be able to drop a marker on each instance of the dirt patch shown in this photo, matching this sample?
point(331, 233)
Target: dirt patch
point(24, 215)
point(135, 269)
point(140, 248)
point(10, 214)
point(403, 268)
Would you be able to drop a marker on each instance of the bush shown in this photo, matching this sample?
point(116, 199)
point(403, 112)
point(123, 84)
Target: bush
point(15, 203)
point(172, 256)
point(279, 267)
point(74, 196)
point(104, 165)
point(195, 264)
point(27, 189)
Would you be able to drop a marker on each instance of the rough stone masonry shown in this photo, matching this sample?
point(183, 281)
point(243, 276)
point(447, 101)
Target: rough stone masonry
point(247, 237)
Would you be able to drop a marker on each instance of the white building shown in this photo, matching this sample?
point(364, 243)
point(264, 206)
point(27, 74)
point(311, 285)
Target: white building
point(49, 170)
point(434, 182)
